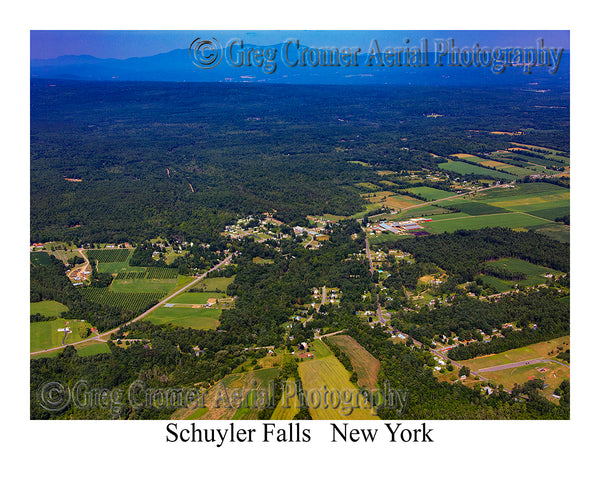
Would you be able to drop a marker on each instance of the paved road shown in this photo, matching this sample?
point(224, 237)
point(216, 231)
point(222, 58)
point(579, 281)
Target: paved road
point(139, 317)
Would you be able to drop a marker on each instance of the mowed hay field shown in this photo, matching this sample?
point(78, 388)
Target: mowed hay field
point(327, 371)
point(364, 364)
point(187, 317)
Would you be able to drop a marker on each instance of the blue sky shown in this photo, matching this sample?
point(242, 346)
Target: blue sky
point(140, 43)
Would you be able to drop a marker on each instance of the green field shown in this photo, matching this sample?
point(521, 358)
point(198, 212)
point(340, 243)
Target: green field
point(38, 259)
point(198, 318)
point(530, 352)
point(466, 168)
point(262, 378)
point(44, 335)
point(288, 406)
point(48, 308)
point(196, 298)
point(535, 273)
point(431, 193)
point(559, 232)
point(471, 207)
point(215, 284)
point(509, 220)
point(326, 370)
point(93, 349)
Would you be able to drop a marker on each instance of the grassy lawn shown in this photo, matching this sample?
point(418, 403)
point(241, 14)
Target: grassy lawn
point(44, 335)
point(49, 308)
point(198, 318)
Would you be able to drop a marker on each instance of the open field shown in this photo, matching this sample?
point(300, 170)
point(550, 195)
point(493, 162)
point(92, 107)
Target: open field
point(48, 308)
point(44, 335)
point(391, 200)
point(329, 372)
point(288, 406)
point(326, 370)
point(215, 400)
point(215, 284)
point(509, 220)
point(431, 193)
point(535, 273)
point(471, 207)
point(39, 258)
point(93, 349)
point(562, 233)
point(364, 364)
point(466, 168)
point(198, 318)
point(196, 298)
point(530, 352)
point(130, 301)
point(552, 373)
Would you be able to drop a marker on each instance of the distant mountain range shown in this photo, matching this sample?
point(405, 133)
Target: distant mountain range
point(178, 66)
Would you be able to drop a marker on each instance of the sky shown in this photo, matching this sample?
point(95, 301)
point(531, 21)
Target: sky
point(122, 44)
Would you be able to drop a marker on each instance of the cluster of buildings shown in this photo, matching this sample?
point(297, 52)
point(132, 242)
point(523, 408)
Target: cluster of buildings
point(407, 226)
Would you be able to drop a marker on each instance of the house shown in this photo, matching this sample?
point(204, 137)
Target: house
point(210, 302)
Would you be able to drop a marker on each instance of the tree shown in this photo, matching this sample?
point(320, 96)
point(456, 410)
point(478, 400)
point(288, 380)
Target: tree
point(464, 370)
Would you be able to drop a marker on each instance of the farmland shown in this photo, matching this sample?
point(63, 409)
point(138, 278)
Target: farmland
point(535, 273)
point(510, 220)
point(136, 302)
point(116, 255)
point(364, 364)
point(220, 403)
point(430, 193)
point(328, 371)
point(463, 168)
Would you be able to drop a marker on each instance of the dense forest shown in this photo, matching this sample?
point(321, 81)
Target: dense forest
point(132, 161)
